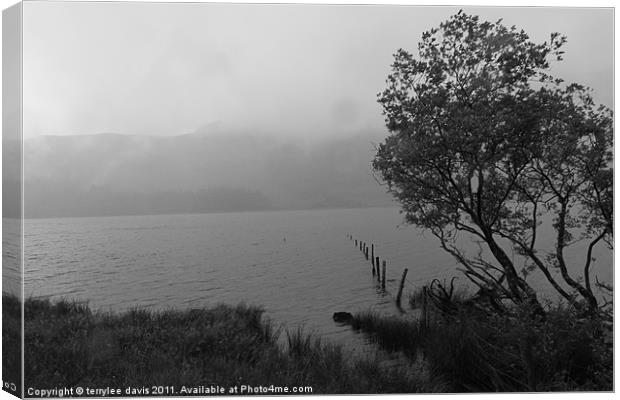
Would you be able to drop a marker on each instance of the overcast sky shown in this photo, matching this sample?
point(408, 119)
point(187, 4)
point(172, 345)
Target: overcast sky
point(169, 69)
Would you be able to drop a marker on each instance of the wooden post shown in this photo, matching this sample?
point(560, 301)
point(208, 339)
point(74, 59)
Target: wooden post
point(366, 253)
point(355, 242)
point(378, 272)
point(376, 264)
point(373, 267)
point(383, 276)
point(372, 255)
point(400, 287)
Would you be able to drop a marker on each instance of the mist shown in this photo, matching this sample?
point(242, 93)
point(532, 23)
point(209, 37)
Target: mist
point(296, 71)
point(111, 174)
point(150, 108)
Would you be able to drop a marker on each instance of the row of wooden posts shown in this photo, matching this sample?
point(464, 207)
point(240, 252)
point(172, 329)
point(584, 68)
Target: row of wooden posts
point(379, 273)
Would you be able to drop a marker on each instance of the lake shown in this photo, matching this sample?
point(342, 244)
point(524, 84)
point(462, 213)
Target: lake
point(299, 265)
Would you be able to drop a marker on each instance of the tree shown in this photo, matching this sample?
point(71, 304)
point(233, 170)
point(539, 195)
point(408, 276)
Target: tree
point(484, 143)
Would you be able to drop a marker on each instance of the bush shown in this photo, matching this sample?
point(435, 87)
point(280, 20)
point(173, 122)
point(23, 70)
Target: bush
point(514, 351)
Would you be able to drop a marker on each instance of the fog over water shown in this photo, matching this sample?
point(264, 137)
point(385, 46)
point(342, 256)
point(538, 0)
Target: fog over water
point(229, 107)
point(99, 175)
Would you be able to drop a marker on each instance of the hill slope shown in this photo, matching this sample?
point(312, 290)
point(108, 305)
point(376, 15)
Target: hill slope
point(110, 174)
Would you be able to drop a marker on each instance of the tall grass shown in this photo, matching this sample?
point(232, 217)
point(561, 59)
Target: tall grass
point(11, 340)
point(69, 345)
point(460, 296)
point(392, 334)
point(478, 352)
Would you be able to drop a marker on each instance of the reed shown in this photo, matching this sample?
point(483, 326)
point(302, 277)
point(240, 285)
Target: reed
point(393, 334)
point(482, 352)
point(67, 344)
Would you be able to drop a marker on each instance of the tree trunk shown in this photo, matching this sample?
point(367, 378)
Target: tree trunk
point(521, 292)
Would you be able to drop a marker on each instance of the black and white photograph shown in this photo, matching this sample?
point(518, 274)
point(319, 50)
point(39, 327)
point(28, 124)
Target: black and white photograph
point(238, 199)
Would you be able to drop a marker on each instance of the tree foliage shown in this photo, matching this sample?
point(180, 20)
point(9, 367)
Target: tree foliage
point(484, 141)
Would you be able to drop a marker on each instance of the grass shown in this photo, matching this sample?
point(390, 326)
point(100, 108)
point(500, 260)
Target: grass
point(460, 296)
point(480, 352)
point(392, 334)
point(69, 345)
point(11, 340)
point(468, 351)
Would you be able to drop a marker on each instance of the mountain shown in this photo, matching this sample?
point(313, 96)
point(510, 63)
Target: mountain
point(111, 174)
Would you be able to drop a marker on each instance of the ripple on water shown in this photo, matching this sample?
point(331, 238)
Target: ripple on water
point(200, 260)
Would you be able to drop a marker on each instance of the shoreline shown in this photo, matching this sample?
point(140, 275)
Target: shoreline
point(68, 345)
point(228, 346)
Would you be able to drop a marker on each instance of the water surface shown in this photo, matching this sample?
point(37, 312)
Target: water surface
point(299, 265)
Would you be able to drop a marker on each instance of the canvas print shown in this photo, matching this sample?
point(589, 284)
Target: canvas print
point(295, 199)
